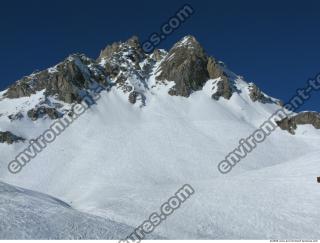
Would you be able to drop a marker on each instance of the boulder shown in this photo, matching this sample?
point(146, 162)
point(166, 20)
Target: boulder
point(10, 138)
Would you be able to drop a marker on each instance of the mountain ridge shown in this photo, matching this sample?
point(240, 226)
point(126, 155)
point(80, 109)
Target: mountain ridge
point(125, 66)
point(199, 66)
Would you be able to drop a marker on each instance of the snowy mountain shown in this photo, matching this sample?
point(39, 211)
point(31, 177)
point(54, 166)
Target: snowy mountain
point(160, 121)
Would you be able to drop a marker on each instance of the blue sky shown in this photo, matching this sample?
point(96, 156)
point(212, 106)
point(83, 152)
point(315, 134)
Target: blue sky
point(272, 43)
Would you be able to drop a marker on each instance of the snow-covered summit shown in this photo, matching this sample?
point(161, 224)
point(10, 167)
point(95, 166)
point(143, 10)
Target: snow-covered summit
point(125, 66)
point(163, 120)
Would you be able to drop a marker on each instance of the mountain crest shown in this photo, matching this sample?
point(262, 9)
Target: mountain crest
point(131, 45)
point(66, 80)
point(127, 67)
point(188, 65)
point(188, 41)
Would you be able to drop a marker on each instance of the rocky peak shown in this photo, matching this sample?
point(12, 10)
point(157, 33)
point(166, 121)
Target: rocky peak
point(128, 66)
point(109, 50)
point(66, 81)
point(190, 67)
point(189, 42)
point(134, 42)
point(131, 48)
point(186, 65)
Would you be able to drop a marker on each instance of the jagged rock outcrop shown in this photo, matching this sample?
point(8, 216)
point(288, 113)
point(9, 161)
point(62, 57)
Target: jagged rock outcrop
point(66, 80)
point(290, 123)
point(39, 112)
point(214, 69)
point(126, 62)
point(16, 116)
point(257, 95)
point(158, 55)
point(186, 65)
point(223, 86)
point(223, 89)
point(10, 138)
point(189, 67)
point(127, 67)
point(132, 45)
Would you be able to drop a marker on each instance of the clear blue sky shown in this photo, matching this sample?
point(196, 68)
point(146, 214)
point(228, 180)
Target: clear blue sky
point(275, 44)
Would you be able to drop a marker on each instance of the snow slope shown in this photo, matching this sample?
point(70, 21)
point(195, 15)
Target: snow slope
point(120, 162)
point(26, 214)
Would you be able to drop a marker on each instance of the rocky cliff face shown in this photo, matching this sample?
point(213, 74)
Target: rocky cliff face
point(186, 65)
point(66, 81)
point(190, 67)
point(128, 66)
point(125, 66)
point(290, 124)
point(257, 95)
point(224, 86)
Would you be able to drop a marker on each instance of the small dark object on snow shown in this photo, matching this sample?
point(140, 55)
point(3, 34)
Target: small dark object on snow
point(318, 179)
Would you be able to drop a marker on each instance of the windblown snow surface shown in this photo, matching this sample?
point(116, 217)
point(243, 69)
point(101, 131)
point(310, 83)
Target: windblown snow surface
point(27, 214)
point(121, 162)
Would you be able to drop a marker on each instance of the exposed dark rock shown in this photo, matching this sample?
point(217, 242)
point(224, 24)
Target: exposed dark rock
point(214, 69)
point(224, 89)
point(42, 111)
point(109, 50)
point(125, 61)
point(131, 44)
point(17, 116)
point(130, 49)
point(121, 82)
point(189, 67)
point(126, 66)
point(10, 138)
point(224, 86)
point(133, 97)
point(112, 69)
point(20, 89)
point(66, 81)
point(287, 124)
point(257, 95)
point(290, 123)
point(158, 55)
point(186, 65)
